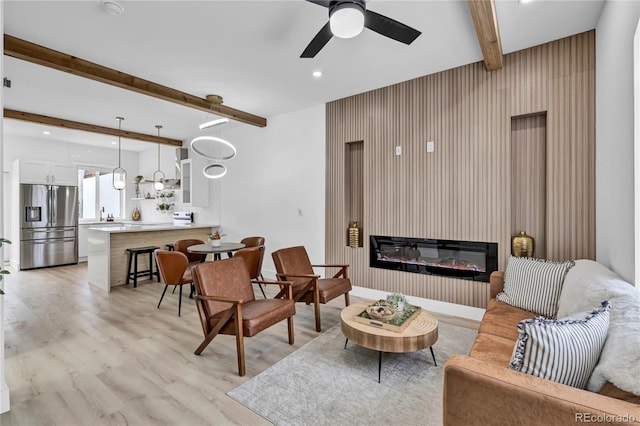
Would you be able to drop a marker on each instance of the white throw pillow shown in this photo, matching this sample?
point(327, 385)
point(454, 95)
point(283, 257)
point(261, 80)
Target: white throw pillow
point(586, 285)
point(534, 284)
point(564, 351)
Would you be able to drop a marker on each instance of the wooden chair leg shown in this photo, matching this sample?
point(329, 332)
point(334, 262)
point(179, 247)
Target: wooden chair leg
point(290, 328)
point(240, 341)
point(214, 332)
point(316, 305)
point(346, 299)
point(162, 297)
point(180, 301)
point(206, 342)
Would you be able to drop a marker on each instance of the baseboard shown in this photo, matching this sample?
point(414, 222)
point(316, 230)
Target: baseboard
point(4, 397)
point(445, 308)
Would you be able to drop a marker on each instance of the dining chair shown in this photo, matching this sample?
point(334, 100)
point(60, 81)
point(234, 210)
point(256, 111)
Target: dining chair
point(174, 270)
point(181, 246)
point(252, 241)
point(292, 264)
point(227, 305)
point(253, 258)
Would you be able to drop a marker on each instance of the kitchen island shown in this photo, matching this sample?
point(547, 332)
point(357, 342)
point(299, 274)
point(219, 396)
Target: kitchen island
point(107, 248)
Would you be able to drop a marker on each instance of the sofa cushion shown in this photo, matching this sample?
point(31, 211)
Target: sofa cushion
point(534, 284)
point(501, 320)
point(619, 361)
point(565, 351)
point(609, 389)
point(492, 349)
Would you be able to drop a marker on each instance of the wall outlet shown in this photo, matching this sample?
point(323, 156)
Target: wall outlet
point(431, 146)
point(398, 150)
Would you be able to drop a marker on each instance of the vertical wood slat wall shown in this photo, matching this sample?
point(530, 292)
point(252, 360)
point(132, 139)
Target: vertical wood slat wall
point(354, 180)
point(529, 179)
point(462, 191)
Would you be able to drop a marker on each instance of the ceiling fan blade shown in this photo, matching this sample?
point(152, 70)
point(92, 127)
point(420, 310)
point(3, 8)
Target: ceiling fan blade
point(324, 3)
point(390, 28)
point(318, 42)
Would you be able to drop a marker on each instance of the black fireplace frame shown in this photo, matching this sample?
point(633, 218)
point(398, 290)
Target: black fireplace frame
point(400, 261)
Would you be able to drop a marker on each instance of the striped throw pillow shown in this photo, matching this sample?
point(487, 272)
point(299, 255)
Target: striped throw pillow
point(534, 284)
point(564, 351)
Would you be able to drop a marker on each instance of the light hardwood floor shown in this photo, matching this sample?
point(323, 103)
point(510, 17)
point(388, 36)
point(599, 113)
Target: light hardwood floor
point(78, 356)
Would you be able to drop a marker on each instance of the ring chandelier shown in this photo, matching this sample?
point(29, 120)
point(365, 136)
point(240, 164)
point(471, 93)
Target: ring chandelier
point(212, 139)
point(214, 171)
point(200, 144)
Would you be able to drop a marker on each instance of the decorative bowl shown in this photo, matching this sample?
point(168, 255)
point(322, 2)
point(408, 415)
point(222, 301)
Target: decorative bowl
point(381, 312)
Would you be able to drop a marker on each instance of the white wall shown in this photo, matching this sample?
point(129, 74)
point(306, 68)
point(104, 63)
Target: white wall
point(147, 164)
point(614, 136)
point(57, 152)
point(4, 390)
point(42, 149)
point(279, 170)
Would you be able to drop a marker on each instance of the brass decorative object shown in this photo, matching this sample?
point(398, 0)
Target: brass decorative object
point(135, 215)
point(354, 235)
point(522, 245)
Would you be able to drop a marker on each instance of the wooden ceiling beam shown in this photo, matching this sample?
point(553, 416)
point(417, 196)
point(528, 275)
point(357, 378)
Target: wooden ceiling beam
point(76, 125)
point(485, 21)
point(27, 51)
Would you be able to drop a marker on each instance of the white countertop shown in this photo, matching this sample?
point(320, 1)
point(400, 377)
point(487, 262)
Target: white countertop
point(147, 227)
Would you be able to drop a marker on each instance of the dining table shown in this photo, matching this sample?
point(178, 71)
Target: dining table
point(216, 251)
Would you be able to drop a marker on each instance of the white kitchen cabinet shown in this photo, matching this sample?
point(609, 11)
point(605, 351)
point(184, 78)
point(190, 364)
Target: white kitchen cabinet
point(194, 185)
point(82, 242)
point(49, 174)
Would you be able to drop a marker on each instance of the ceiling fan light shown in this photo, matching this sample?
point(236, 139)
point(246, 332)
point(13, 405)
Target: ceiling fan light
point(346, 20)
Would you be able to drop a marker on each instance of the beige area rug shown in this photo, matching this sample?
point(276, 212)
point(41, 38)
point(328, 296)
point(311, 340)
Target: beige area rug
point(324, 384)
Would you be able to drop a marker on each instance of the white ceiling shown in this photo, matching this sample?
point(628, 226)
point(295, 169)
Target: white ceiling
point(246, 51)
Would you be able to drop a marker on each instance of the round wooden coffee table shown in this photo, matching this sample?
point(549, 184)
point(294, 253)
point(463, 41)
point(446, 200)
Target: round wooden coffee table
point(420, 334)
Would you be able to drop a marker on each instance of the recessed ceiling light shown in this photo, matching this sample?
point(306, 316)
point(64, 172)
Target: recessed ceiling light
point(525, 1)
point(112, 7)
point(317, 74)
point(46, 132)
point(113, 142)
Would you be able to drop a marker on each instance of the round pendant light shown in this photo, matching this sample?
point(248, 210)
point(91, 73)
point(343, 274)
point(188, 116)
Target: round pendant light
point(214, 171)
point(119, 174)
point(158, 175)
point(203, 144)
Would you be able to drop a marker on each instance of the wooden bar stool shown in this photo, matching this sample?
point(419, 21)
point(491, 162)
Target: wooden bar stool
point(133, 256)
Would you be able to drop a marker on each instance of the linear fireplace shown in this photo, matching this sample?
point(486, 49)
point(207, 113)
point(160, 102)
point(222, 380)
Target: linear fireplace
point(469, 260)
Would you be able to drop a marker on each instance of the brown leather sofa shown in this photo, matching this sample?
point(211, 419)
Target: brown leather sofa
point(480, 389)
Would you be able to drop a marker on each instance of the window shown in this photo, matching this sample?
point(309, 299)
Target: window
point(96, 192)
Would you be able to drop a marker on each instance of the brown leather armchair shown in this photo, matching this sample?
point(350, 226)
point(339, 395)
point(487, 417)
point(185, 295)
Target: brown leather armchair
point(174, 270)
point(226, 304)
point(253, 241)
point(181, 246)
point(253, 258)
point(292, 264)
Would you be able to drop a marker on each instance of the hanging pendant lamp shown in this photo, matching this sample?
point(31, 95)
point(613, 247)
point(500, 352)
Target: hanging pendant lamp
point(119, 174)
point(158, 175)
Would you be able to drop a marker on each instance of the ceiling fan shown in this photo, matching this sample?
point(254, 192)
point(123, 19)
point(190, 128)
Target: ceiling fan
point(347, 18)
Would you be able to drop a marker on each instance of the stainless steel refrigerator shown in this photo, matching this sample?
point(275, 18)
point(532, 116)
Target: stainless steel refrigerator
point(49, 225)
